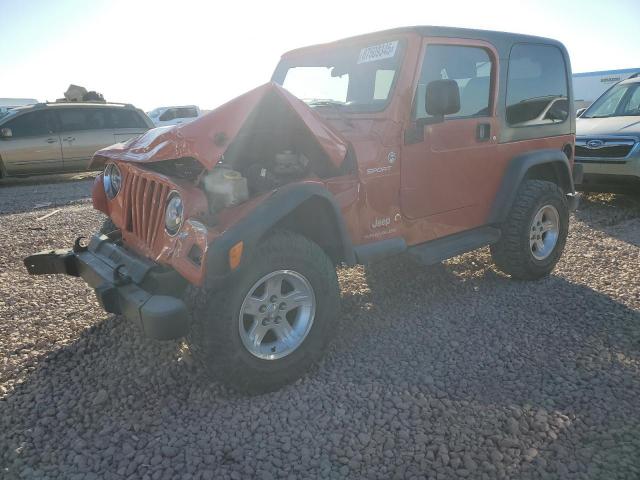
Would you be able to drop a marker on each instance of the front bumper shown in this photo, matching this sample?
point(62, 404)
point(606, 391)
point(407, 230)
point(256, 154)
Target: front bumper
point(609, 175)
point(124, 284)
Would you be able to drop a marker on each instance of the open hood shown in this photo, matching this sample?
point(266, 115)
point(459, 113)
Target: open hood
point(207, 138)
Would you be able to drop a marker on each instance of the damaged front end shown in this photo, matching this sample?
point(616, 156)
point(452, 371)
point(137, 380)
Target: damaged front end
point(176, 194)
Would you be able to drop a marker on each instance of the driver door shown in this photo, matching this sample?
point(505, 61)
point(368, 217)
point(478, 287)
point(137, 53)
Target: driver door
point(446, 164)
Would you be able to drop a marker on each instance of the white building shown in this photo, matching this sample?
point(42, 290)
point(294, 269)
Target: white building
point(590, 85)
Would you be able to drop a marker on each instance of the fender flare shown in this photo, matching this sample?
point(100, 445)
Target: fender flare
point(516, 172)
point(252, 228)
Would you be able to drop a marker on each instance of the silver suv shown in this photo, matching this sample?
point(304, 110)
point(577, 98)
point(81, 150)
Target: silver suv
point(608, 140)
point(62, 137)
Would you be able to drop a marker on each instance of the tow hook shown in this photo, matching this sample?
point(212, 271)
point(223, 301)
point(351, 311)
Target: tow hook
point(78, 247)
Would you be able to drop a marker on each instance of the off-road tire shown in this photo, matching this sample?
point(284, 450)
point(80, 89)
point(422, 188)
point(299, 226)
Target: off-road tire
point(215, 341)
point(512, 253)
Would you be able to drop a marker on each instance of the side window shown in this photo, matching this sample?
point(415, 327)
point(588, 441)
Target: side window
point(31, 124)
point(97, 118)
point(536, 86)
point(470, 67)
point(188, 112)
point(72, 119)
point(123, 118)
point(169, 114)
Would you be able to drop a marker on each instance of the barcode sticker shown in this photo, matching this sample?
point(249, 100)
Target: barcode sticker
point(378, 52)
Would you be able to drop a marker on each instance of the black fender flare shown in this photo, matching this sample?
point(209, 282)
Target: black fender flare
point(252, 228)
point(516, 172)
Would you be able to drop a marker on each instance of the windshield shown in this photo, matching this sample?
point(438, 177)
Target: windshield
point(354, 79)
point(622, 99)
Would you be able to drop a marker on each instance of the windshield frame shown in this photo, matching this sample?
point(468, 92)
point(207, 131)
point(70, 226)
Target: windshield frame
point(297, 60)
point(630, 87)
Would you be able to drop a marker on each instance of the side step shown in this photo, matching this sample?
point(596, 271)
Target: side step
point(435, 251)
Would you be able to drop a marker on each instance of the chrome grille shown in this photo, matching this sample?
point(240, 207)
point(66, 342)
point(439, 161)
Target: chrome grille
point(604, 147)
point(144, 209)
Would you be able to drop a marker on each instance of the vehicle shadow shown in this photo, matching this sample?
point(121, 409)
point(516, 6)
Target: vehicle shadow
point(41, 193)
point(614, 214)
point(461, 345)
point(47, 179)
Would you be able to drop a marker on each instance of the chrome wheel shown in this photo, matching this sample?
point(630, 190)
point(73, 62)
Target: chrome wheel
point(544, 232)
point(277, 314)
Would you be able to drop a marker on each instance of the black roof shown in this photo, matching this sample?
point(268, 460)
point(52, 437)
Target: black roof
point(501, 40)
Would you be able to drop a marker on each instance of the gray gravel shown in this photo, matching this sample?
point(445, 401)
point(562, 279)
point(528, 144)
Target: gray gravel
point(447, 372)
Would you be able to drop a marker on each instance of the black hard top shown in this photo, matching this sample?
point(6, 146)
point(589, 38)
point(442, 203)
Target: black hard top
point(501, 40)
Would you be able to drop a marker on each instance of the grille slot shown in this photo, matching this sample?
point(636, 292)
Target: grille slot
point(144, 207)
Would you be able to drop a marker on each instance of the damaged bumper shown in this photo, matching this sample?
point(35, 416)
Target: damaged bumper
point(124, 284)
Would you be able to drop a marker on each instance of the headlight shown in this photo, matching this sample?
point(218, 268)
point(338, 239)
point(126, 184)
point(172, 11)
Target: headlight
point(112, 180)
point(173, 216)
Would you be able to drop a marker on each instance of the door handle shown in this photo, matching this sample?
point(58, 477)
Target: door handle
point(483, 132)
point(51, 140)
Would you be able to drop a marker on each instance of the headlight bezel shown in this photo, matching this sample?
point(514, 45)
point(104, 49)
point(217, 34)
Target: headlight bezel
point(111, 187)
point(173, 230)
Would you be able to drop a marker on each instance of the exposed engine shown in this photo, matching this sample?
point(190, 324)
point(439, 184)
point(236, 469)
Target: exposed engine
point(227, 187)
point(284, 168)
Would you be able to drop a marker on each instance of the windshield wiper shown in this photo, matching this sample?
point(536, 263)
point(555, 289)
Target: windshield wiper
point(336, 105)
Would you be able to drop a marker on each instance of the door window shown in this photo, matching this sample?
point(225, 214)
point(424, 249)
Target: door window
point(188, 112)
point(31, 124)
point(169, 114)
point(470, 67)
point(124, 118)
point(537, 79)
point(72, 119)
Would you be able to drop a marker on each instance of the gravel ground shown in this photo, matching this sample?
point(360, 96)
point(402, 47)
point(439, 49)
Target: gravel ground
point(453, 371)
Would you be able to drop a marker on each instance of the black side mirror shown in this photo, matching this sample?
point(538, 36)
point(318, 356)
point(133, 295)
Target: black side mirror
point(580, 111)
point(6, 133)
point(442, 98)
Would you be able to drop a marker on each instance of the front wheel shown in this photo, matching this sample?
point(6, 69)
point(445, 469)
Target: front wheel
point(535, 232)
point(276, 319)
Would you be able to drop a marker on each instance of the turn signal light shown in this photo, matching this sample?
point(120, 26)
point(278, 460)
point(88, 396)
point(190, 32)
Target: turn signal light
point(235, 254)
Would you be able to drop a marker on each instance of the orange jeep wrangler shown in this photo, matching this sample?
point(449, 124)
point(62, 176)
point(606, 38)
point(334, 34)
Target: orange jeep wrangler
point(428, 141)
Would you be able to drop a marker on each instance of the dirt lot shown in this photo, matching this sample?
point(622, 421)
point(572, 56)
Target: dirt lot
point(444, 372)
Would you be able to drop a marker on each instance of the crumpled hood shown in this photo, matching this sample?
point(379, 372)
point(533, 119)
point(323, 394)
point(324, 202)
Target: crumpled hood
point(608, 126)
point(207, 138)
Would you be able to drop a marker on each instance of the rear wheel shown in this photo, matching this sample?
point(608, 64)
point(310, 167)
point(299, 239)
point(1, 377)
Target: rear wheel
point(276, 319)
point(535, 232)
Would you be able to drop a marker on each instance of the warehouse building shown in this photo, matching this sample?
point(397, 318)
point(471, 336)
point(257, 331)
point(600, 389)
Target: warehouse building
point(588, 86)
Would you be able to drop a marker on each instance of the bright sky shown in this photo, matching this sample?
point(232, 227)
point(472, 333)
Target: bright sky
point(155, 53)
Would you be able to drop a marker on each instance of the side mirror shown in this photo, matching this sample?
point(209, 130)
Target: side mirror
point(442, 98)
point(580, 111)
point(6, 133)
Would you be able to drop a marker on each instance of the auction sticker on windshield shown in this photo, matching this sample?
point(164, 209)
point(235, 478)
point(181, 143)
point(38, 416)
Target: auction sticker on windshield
point(378, 52)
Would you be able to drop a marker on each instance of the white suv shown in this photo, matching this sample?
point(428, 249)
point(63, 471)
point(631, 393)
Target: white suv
point(163, 116)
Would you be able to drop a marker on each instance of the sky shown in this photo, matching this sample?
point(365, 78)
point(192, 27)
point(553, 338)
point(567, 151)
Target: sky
point(157, 53)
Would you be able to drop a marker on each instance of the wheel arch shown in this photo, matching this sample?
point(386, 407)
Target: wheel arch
point(548, 164)
point(308, 209)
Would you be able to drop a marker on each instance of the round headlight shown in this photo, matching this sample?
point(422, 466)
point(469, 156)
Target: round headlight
point(112, 180)
point(174, 213)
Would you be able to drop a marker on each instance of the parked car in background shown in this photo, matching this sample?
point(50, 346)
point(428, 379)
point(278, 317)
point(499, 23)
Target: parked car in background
point(163, 116)
point(62, 137)
point(7, 104)
point(608, 140)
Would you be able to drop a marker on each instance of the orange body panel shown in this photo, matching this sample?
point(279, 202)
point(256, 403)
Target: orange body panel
point(421, 191)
